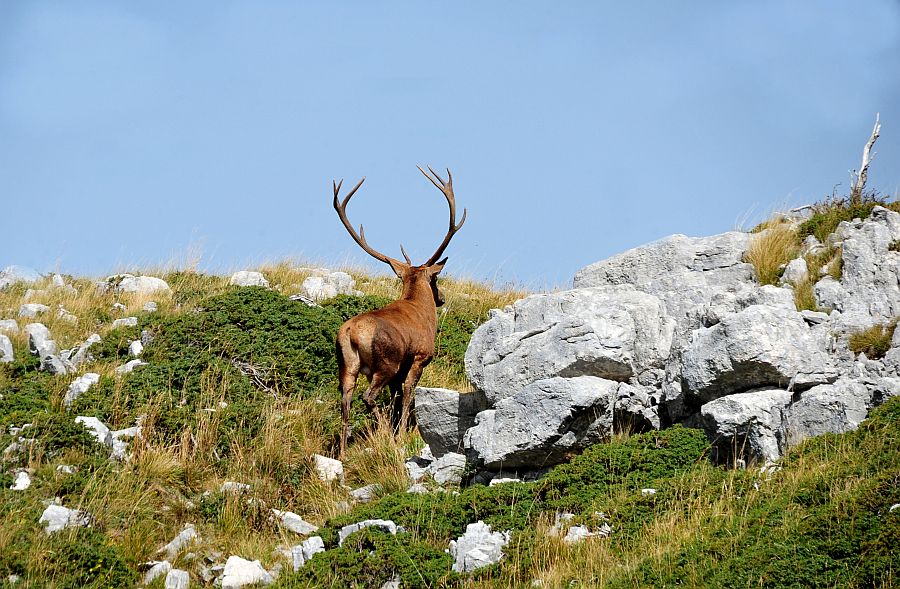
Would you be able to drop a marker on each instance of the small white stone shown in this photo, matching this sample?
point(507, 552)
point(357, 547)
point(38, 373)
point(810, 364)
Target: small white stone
point(177, 579)
point(125, 322)
point(240, 572)
point(248, 278)
point(150, 307)
point(301, 553)
point(184, 537)
point(129, 366)
point(294, 523)
point(136, 348)
point(80, 386)
point(65, 469)
point(22, 481)
point(328, 469)
point(97, 429)
point(56, 518)
point(648, 492)
point(32, 309)
point(157, 569)
point(365, 494)
point(385, 525)
point(233, 487)
point(9, 325)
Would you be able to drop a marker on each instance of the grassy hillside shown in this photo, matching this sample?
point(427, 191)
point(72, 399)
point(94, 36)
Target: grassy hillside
point(240, 386)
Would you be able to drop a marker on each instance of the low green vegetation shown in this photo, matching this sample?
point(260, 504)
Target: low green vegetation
point(828, 214)
point(776, 242)
point(240, 386)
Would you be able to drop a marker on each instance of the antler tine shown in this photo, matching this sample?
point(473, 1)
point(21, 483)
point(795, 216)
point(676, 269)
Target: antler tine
point(360, 238)
point(447, 189)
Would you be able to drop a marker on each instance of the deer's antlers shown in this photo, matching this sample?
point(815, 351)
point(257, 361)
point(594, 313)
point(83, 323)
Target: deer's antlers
point(360, 238)
point(447, 189)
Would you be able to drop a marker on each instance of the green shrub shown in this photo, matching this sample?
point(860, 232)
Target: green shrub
point(641, 461)
point(87, 559)
point(370, 558)
point(828, 215)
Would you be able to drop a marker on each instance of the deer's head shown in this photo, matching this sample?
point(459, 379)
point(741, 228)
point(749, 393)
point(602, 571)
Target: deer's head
point(417, 280)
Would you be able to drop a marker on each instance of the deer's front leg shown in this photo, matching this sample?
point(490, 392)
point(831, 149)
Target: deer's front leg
point(409, 388)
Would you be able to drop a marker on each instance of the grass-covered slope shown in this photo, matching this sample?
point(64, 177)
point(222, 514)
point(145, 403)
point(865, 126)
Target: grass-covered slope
point(240, 386)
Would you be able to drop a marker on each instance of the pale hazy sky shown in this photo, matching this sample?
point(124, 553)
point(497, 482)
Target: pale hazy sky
point(135, 134)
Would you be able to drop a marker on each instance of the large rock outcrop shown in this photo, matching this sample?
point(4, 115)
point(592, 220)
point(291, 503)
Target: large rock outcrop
point(677, 331)
point(617, 333)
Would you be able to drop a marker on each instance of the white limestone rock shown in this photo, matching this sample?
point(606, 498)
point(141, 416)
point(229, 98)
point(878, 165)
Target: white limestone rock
point(97, 429)
point(177, 579)
point(134, 284)
point(757, 347)
point(443, 417)
point(248, 278)
point(6, 349)
point(294, 523)
point(301, 553)
point(80, 386)
point(328, 469)
point(325, 285)
point(478, 547)
point(22, 481)
point(9, 326)
point(684, 272)
point(366, 493)
point(385, 525)
point(157, 569)
point(185, 537)
point(135, 348)
point(448, 469)
point(747, 425)
point(612, 332)
point(795, 272)
point(57, 517)
point(30, 310)
point(130, 366)
point(544, 422)
point(125, 322)
point(869, 289)
point(240, 572)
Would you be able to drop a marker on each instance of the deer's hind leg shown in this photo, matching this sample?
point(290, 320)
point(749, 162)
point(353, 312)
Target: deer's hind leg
point(348, 370)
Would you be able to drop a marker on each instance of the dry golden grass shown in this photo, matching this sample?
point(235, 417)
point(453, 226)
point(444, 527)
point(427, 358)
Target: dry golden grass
point(771, 248)
point(379, 456)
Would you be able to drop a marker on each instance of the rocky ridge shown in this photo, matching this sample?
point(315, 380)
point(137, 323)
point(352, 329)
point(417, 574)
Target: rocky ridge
point(676, 331)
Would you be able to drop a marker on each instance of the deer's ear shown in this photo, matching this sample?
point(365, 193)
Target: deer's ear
point(437, 267)
point(399, 268)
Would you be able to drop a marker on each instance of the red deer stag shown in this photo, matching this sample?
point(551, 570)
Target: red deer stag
point(392, 345)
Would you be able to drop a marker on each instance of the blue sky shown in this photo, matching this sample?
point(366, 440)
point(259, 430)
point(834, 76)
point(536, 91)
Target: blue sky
point(136, 134)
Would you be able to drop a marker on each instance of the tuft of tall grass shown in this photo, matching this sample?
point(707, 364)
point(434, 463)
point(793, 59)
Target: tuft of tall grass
point(874, 342)
point(771, 249)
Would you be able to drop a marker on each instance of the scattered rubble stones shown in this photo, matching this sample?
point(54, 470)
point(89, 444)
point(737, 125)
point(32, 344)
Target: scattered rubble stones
point(301, 553)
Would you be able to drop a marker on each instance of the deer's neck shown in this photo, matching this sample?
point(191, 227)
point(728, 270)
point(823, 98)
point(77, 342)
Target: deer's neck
point(418, 292)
